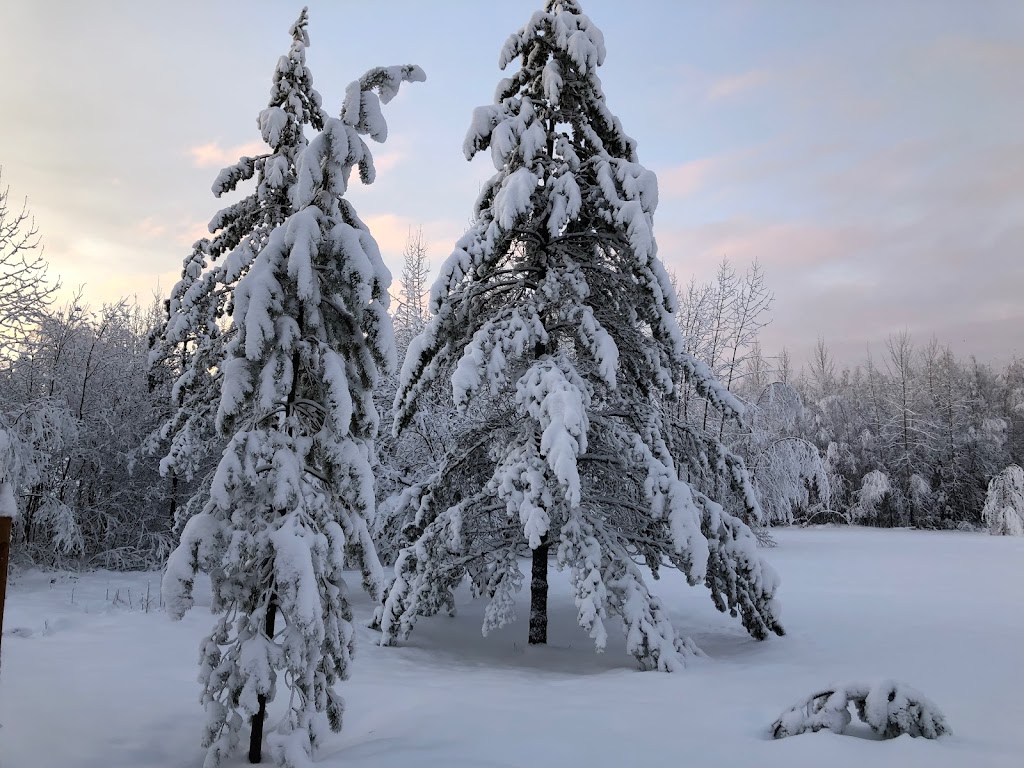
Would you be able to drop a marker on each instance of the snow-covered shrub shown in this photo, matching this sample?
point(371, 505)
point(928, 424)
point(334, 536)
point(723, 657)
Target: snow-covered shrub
point(890, 708)
point(788, 472)
point(1004, 503)
point(873, 490)
point(789, 475)
point(38, 436)
point(8, 475)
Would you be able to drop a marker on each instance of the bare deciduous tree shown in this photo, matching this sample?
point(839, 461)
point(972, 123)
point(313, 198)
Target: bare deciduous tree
point(25, 289)
point(411, 314)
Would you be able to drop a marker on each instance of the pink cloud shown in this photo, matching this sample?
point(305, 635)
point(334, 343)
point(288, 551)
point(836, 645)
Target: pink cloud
point(686, 179)
point(213, 155)
point(811, 252)
point(732, 85)
point(385, 161)
point(187, 232)
point(391, 231)
point(150, 228)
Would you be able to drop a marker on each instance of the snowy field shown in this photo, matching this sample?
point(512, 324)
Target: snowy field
point(90, 678)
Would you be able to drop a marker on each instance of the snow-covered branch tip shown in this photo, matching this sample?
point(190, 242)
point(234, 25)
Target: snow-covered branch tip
point(361, 108)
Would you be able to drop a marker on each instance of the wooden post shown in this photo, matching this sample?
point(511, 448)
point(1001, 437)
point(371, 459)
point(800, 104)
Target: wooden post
point(5, 556)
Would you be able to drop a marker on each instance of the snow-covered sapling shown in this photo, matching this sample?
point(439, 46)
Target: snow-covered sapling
point(293, 494)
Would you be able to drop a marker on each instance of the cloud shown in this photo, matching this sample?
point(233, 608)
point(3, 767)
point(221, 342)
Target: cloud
point(920, 236)
point(731, 85)
point(685, 180)
point(213, 155)
point(387, 160)
point(777, 245)
point(187, 232)
point(182, 233)
point(391, 231)
point(714, 172)
point(150, 228)
point(993, 58)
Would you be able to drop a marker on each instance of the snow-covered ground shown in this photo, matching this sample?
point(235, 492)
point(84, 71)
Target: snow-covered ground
point(90, 678)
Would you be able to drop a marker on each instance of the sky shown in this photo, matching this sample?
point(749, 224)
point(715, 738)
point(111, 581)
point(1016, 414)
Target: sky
point(869, 154)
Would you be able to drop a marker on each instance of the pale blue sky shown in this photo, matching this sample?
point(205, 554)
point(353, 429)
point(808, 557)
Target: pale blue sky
point(869, 153)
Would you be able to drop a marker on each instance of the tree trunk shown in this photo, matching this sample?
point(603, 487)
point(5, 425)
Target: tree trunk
point(539, 569)
point(256, 735)
point(539, 595)
point(174, 497)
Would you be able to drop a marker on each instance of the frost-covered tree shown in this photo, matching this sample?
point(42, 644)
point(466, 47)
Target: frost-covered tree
point(554, 329)
point(411, 314)
point(788, 471)
point(76, 398)
point(874, 488)
point(1004, 503)
point(25, 290)
point(292, 495)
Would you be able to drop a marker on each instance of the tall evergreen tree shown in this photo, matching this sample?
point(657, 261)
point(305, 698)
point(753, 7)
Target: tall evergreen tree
point(293, 493)
point(553, 325)
point(192, 339)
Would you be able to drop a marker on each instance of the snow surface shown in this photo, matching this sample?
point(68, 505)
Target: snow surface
point(91, 680)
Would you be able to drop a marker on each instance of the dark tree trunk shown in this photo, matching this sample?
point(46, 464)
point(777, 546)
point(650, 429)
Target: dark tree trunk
point(174, 496)
point(256, 735)
point(539, 571)
point(539, 595)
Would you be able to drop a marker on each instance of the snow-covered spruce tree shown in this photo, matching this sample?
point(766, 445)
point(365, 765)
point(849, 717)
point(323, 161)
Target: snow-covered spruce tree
point(553, 327)
point(1004, 503)
point(192, 339)
point(293, 493)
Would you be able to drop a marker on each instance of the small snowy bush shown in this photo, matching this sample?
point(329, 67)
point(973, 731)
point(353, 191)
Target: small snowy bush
point(890, 709)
